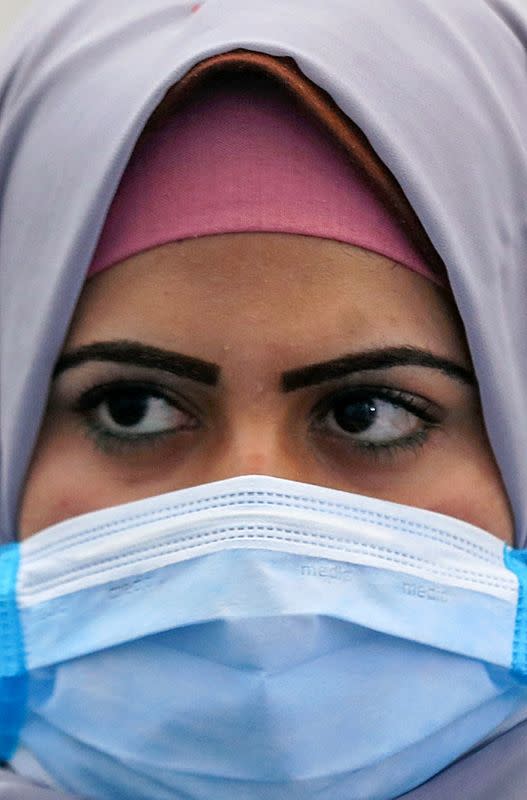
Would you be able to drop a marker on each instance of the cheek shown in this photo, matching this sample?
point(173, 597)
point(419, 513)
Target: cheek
point(488, 509)
point(69, 477)
point(60, 484)
point(472, 490)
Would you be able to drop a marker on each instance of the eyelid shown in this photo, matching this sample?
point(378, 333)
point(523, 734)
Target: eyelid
point(412, 402)
point(79, 379)
point(426, 412)
point(90, 373)
point(91, 397)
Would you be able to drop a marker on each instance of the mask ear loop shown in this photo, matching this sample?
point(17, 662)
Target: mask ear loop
point(13, 671)
point(322, 108)
point(516, 561)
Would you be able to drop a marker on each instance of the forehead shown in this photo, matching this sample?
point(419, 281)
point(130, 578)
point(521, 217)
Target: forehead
point(255, 291)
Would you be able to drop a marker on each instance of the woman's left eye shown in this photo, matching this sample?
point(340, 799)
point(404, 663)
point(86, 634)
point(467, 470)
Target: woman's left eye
point(376, 418)
point(130, 412)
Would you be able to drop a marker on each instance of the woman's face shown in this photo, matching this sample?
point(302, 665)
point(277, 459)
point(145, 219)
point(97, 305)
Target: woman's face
point(264, 353)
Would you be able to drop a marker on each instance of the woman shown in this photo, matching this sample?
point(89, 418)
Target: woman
point(264, 527)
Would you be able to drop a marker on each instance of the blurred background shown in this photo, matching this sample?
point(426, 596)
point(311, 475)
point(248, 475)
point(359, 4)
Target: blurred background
point(9, 10)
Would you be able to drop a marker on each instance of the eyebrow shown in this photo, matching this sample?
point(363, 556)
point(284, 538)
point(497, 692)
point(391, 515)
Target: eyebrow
point(385, 358)
point(141, 355)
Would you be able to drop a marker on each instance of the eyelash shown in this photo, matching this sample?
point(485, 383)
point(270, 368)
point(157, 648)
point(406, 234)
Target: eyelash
point(419, 407)
point(113, 443)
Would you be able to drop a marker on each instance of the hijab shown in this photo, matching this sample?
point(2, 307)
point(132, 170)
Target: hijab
point(438, 89)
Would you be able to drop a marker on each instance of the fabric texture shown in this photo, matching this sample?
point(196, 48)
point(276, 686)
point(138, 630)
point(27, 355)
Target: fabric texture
point(438, 88)
point(240, 156)
point(13, 787)
point(259, 625)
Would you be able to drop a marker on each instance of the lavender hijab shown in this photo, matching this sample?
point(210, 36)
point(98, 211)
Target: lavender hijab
point(438, 86)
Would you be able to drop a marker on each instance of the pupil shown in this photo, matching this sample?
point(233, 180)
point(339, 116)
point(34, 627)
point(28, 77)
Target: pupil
point(128, 409)
point(355, 416)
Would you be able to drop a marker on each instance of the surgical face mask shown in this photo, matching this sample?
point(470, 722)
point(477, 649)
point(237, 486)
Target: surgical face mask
point(257, 638)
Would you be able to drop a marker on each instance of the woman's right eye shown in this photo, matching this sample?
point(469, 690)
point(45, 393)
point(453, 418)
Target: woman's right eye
point(127, 411)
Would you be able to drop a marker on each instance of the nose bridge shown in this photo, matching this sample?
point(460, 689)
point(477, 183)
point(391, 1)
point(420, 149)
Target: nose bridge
point(258, 443)
point(255, 447)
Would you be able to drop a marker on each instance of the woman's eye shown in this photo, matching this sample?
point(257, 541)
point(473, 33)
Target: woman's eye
point(131, 412)
point(376, 419)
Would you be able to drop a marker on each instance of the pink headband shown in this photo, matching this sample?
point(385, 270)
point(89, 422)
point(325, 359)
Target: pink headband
point(238, 160)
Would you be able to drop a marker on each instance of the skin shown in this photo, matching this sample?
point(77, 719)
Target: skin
point(257, 305)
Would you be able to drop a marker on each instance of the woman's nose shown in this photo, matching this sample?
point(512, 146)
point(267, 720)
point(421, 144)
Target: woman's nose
point(259, 449)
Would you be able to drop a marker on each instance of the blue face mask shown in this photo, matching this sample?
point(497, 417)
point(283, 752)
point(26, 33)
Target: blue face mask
point(257, 638)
